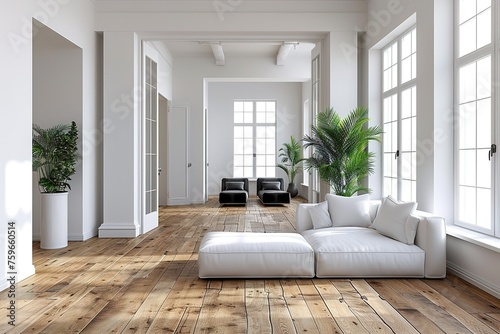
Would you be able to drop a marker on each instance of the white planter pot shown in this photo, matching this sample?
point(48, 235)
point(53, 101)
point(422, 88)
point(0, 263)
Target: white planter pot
point(54, 222)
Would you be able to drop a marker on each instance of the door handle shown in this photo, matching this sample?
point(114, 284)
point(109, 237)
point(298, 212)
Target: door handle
point(189, 164)
point(159, 170)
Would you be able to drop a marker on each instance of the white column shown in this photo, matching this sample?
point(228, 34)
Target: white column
point(121, 170)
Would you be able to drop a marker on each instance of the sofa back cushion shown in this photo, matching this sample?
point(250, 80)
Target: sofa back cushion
point(319, 215)
point(349, 211)
point(395, 221)
point(235, 185)
point(268, 185)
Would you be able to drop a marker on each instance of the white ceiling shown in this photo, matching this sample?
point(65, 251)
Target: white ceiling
point(235, 48)
point(234, 43)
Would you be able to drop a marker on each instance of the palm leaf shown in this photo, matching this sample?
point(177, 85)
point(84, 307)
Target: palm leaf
point(340, 149)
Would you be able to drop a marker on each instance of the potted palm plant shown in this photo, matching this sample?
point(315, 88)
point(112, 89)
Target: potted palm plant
point(291, 157)
point(54, 153)
point(340, 149)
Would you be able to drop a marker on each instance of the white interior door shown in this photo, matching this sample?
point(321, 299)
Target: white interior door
point(163, 106)
point(150, 141)
point(178, 162)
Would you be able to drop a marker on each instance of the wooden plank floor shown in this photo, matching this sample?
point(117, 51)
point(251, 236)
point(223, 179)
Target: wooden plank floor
point(149, 284)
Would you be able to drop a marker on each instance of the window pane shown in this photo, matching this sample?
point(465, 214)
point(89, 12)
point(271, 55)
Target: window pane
point(238, 117)
point(468, 125)
point(260, 146)
point(248, 171)
point(238, 106)
point(484, 78)
point(406, 103)
point(248, 146)
point(482, 5)
point(248, 106)
point(484, 208)
point(387, 137)
point(238, 132)
point(270, 131)
point(406, 138)
point(260, 106)
point(406, 67)
point(271, 106)
point(484, 28)
point(387, 79)
point(407, 191)
point(248, 160)
point(484, 123)
point(260, 117)
point(388, 157)
point(238, 171)
point(406, 46)
point(270, 161)
point(271, 117)
point(260, 160)
point(238, 160)
point(260, 132)
point(406, 166)
point(467, 85)
point(248, 117)
point(467, 207)
point(248, 132)
point(270, 146)
point(467, 10)
point(467, 40)
point(238, 146)
point(467, 175)
point(483, 169)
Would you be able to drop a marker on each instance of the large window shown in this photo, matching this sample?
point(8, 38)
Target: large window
point(476, 51)
point(400, 117)
point(254, 139)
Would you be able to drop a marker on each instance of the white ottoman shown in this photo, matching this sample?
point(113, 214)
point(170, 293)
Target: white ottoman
point(255, 255)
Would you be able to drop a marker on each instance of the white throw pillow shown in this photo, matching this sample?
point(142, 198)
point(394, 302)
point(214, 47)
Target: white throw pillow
point(395, 221)
point(349, 211)
point(319, 215)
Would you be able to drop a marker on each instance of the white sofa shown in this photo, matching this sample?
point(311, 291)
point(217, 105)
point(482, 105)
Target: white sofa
point(354, 251)
point(341, 237)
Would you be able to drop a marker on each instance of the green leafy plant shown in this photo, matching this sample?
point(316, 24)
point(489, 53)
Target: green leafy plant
point(340, 149)
point(55, 153)
point(291, 157)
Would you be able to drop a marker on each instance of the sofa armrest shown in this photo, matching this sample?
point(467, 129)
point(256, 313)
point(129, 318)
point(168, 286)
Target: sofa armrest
point(303, 219)
point(431, 237)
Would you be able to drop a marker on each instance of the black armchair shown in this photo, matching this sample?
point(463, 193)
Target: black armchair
point(271, 190)
point(234, 191)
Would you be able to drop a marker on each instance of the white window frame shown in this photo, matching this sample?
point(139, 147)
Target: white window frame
point(270, 163)
point(493, 50)
point(396, 156)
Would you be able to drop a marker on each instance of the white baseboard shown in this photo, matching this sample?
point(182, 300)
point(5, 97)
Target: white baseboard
point(474, 279)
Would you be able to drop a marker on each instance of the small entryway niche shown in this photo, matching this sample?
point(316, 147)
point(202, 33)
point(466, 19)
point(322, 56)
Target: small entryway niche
point(57, 87)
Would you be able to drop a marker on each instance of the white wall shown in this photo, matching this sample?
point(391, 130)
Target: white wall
point(434, 22)
point(58, 99)
point(73, 20)
point(122, 163)
point(221, 95)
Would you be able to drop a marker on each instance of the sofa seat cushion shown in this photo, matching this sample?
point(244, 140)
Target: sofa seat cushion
point(254, 255)
point(363, 252)
point(274, 196)
point(233, 197)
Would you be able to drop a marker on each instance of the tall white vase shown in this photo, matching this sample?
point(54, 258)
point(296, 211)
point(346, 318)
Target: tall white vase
point(54, 222)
